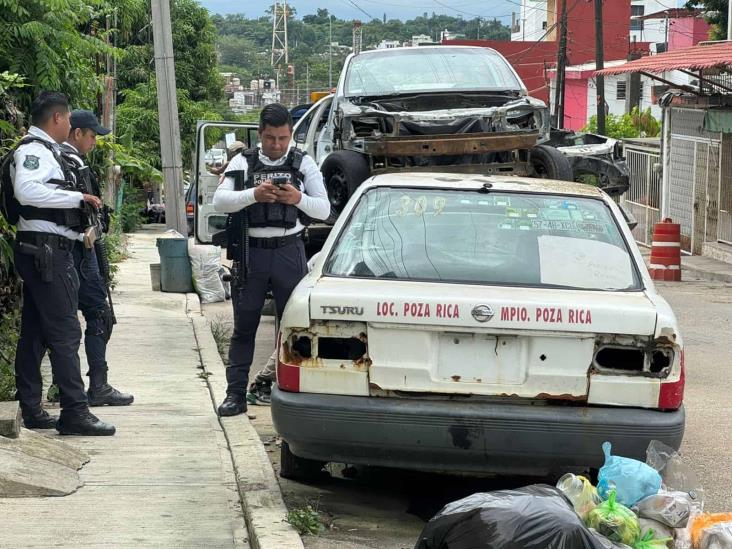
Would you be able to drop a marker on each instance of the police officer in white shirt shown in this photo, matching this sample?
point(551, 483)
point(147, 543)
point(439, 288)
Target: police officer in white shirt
point(51, 223)
point(272, 192)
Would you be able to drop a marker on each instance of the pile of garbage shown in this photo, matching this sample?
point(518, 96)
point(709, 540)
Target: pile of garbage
point(654, 505)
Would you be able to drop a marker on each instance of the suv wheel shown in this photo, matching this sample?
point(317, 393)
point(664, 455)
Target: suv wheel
point(343, 172)
point(549, 163)
point(296, 468)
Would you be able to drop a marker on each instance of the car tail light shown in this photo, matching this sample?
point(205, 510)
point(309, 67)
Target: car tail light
point(671, 395)
point(189, 208)
point(288, 375)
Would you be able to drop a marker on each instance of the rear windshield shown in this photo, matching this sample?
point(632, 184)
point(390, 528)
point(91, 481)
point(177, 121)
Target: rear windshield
point(431, 69)
point(497, 238)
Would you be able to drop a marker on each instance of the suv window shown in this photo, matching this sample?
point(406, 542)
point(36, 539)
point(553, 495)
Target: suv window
point(496, 238)
point(430, 69)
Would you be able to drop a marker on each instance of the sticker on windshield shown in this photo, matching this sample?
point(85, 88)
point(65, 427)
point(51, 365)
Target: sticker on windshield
point(420, 205)
point(440, 205)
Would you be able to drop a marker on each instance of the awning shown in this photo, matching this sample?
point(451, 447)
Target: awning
point(695, 58)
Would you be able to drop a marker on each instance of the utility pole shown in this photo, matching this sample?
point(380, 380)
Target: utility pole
point(168, 111)
point(357, 37)
point(561, 69)
point(632, 82)
point(330, 52)
point(307, 82)
point(729, 21)
point(599, 65)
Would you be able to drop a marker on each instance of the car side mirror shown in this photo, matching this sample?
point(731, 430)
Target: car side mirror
point(629, 217)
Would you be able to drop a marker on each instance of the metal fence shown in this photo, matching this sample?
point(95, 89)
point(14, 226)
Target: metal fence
point(643, 198)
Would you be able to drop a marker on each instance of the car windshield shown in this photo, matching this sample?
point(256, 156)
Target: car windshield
point(496, 238)
point(429, 69)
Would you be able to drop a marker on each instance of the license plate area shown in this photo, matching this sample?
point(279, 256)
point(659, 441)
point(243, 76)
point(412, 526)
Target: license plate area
point(481, 359)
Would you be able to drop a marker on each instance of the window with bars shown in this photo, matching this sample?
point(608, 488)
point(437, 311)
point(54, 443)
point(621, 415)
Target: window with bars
point(621, 90)
point(637, 24)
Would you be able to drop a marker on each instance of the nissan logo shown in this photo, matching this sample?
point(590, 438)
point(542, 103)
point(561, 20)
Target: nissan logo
point(482, 313)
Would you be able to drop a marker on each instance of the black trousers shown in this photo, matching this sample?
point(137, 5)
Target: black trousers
point(93, 305)
point(282, 268)
point(49, 321)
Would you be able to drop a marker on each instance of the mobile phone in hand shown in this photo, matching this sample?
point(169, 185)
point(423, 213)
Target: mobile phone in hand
point(280, 181)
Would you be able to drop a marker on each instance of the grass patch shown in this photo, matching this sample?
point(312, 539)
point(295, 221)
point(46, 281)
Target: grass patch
point(9, 329)
point(222, 328)
point(306, 520)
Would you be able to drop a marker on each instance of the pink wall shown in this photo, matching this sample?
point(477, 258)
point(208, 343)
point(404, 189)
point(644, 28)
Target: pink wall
point(575, 104)
point(687, 32)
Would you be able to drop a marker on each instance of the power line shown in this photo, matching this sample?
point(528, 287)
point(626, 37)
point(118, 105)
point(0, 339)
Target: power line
point(359, 8)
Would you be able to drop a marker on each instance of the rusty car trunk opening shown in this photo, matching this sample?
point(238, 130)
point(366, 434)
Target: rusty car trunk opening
point(616, 358)
point(341, 348)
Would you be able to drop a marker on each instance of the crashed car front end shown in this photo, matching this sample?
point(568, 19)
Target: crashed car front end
point(596, 156)
point(403, 133)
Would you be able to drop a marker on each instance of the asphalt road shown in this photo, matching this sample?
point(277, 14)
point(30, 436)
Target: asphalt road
point(371, 508)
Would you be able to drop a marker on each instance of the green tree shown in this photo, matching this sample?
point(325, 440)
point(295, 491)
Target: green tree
point(715, 13)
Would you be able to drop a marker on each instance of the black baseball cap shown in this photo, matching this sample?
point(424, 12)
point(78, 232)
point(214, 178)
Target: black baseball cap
point(86, 119)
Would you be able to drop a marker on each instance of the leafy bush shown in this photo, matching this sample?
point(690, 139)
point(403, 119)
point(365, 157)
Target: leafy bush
point(628, 125)
point(306, 520)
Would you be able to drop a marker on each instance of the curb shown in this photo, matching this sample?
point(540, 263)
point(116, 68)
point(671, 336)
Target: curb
point(707, 275)
point(259, 492)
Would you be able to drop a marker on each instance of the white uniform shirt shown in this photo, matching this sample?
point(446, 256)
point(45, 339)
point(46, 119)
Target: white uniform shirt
point(314, 202)
point(34, 166)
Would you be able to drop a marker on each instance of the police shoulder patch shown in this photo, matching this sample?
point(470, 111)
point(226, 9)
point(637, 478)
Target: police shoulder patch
point(31, 162)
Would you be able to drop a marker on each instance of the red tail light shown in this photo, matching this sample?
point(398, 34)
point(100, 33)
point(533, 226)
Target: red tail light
point(189, 208)
point(288, 376)
point(671, 395)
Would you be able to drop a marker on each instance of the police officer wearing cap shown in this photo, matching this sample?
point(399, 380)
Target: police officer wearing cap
point(93, 297)
point(274, 190)
point(50, 228)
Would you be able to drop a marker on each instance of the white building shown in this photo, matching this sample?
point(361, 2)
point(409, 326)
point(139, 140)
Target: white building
point(389, 44)
point(421, 39)
point(530, 22)
point(651, 30)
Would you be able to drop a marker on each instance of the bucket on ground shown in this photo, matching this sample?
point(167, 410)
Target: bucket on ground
point(175, 267)
point(666, 251)
point(155, 276)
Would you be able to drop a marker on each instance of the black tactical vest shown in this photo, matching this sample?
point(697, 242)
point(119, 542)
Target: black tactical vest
point(82, 173)
point(262, 214)
point(73, 218)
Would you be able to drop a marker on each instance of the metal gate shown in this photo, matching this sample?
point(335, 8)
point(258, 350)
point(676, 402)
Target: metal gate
point(693, 178)
point(643, 197)
point(724, 221)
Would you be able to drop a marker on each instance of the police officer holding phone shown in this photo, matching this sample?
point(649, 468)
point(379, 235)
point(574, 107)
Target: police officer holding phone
point(52, 217)
point(271, 193)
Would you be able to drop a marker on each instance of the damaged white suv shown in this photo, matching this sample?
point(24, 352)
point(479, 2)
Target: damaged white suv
point(477, 324)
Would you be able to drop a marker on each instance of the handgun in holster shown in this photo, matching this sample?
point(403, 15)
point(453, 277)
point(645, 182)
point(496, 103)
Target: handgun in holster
point(42, 257)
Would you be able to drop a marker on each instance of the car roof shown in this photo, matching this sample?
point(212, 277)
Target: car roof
point(423, 48)
point(458, 181)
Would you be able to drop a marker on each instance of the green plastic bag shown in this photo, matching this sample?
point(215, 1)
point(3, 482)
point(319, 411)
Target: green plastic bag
point(649, 541)
point(615, 521)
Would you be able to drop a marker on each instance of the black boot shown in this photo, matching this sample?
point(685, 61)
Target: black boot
point(38, 419)
point(100, 392)
point(84, 423)
point(233, 405)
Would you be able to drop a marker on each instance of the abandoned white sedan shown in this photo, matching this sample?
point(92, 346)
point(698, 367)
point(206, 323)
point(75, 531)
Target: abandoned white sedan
point(476, 324)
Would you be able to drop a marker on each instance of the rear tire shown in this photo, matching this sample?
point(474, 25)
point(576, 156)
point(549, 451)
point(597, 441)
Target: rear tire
point(549, 163)
point(343, 172)
point(293, 467)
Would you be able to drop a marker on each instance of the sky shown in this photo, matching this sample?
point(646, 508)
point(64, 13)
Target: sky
point(394, 9)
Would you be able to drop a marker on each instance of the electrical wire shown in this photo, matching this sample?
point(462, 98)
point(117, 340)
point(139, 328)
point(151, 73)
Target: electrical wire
point(359, 8)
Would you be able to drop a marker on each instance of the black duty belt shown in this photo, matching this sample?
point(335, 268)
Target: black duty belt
point(275, 241)
point(39, 238)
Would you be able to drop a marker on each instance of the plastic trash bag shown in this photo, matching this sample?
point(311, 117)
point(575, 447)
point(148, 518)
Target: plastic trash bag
point(205, 265)
point(614, 521)
point(718, 536)
point(650, 541)
point(580, 492)
point(606, 543)
point(670, 508)
point(676, 476)
point(534, 517)
point(660, 530)
point(633, 480)
point(705, 521)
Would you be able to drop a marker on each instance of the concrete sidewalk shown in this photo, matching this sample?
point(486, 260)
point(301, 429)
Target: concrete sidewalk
point(699, 267)
point(166, 478)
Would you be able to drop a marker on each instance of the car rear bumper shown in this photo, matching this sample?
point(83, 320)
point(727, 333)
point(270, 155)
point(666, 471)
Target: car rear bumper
point(459, 436)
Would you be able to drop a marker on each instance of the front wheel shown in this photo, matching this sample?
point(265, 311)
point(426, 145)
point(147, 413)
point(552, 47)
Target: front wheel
point(549, 163)
point(343, 172)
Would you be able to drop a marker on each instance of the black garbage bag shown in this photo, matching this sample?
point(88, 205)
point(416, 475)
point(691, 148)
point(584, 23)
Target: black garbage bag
point(534, 517)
